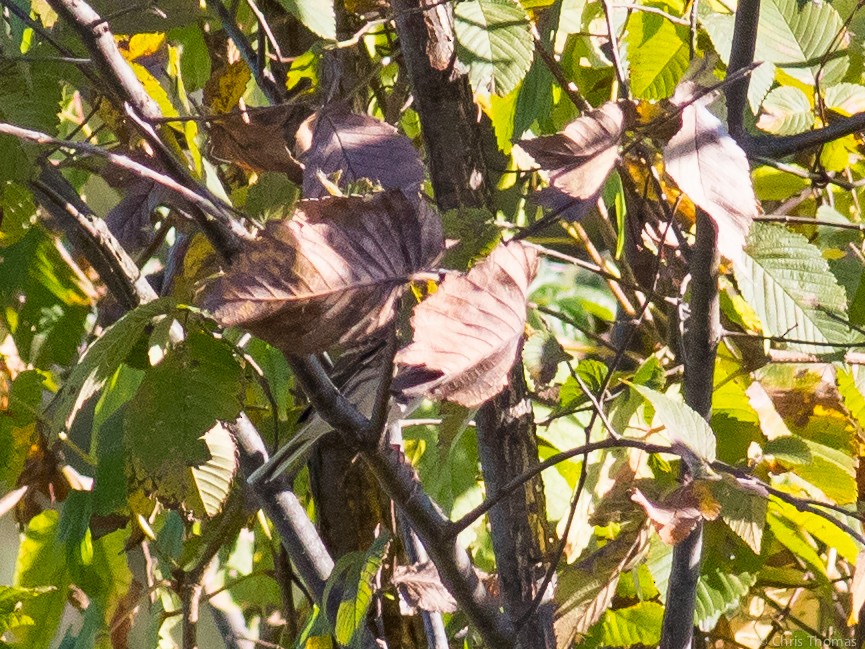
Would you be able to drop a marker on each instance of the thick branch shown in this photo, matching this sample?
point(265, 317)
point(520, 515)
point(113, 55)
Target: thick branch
point(90, 235)
point(275, 497)
point(401, 483)
point(508, 447)
point(702, 332)
point(778, 146)
point(444, 103)
point(741, 56)
point(458, 172)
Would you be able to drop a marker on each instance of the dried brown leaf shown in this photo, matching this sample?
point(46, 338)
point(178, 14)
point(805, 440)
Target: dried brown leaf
point(330, 274)
point(678, 515)
point(579, 159)
point(260, 140)
point(466, 335)
point(586, 589)
point(357, 146)
point(713, 171)
point(420, 587)
point(129, 220)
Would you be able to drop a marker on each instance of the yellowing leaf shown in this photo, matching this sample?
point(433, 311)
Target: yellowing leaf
point(139, 45)
point(226, 86)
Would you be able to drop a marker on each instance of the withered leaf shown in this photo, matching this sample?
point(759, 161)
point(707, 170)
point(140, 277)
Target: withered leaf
point(357, 146)
point(466, 335)
point(678, 515)
point(260, 139)
point(579, 159)
point(129, 220)
point(713, 171)
point(330, 274)
point(420, 587)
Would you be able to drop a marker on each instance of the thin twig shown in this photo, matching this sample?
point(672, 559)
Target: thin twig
point(124, 163)
point(614, 49)
point(568, 87)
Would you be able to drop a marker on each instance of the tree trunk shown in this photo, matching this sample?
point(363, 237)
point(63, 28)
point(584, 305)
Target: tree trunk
point(507, 445)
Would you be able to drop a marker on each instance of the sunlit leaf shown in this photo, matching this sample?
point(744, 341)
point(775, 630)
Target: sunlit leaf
point(330, 274)
point(786, 111)
point(788, 283)
point(683, 425)
point(713, 171)
point(317, 15)
point(579, 159)
point(494, 42)
point(658, 54)
point(466, 335)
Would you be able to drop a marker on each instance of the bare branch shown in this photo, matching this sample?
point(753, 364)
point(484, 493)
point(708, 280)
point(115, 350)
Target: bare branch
point(140, 170)
point(132, 98)
point(741, 57)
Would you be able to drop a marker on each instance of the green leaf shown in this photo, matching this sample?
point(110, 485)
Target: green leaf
point(743, 511)
point(316, 15)
point(30, 94)
point(789, 449)
point(786, 111)
point(473, 233)
point(18, 212)
point(11, 599)
point(788, 533)
point(41, 562)
point(358, 593)
point(830, 470)
point(103, 358)
point(494, 42)
point(195, 64)
point(683, 424)
point(535, 98)
point(639, 624)
point(845, 98)
point(658, 54)
point(788, 283)
point(851, 386)
point(821, 529)
point(213, 479)
point(796, 35)
point(718, 593)
point(166, 425)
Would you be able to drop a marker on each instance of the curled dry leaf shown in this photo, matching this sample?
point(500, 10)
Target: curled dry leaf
point(129, 220)
point(420, 587)
point(713, 171)
point(678, 515)
point(330, 274)
point(579, 159)
point(466, 335)
point(259, 140)
point(357, 146)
